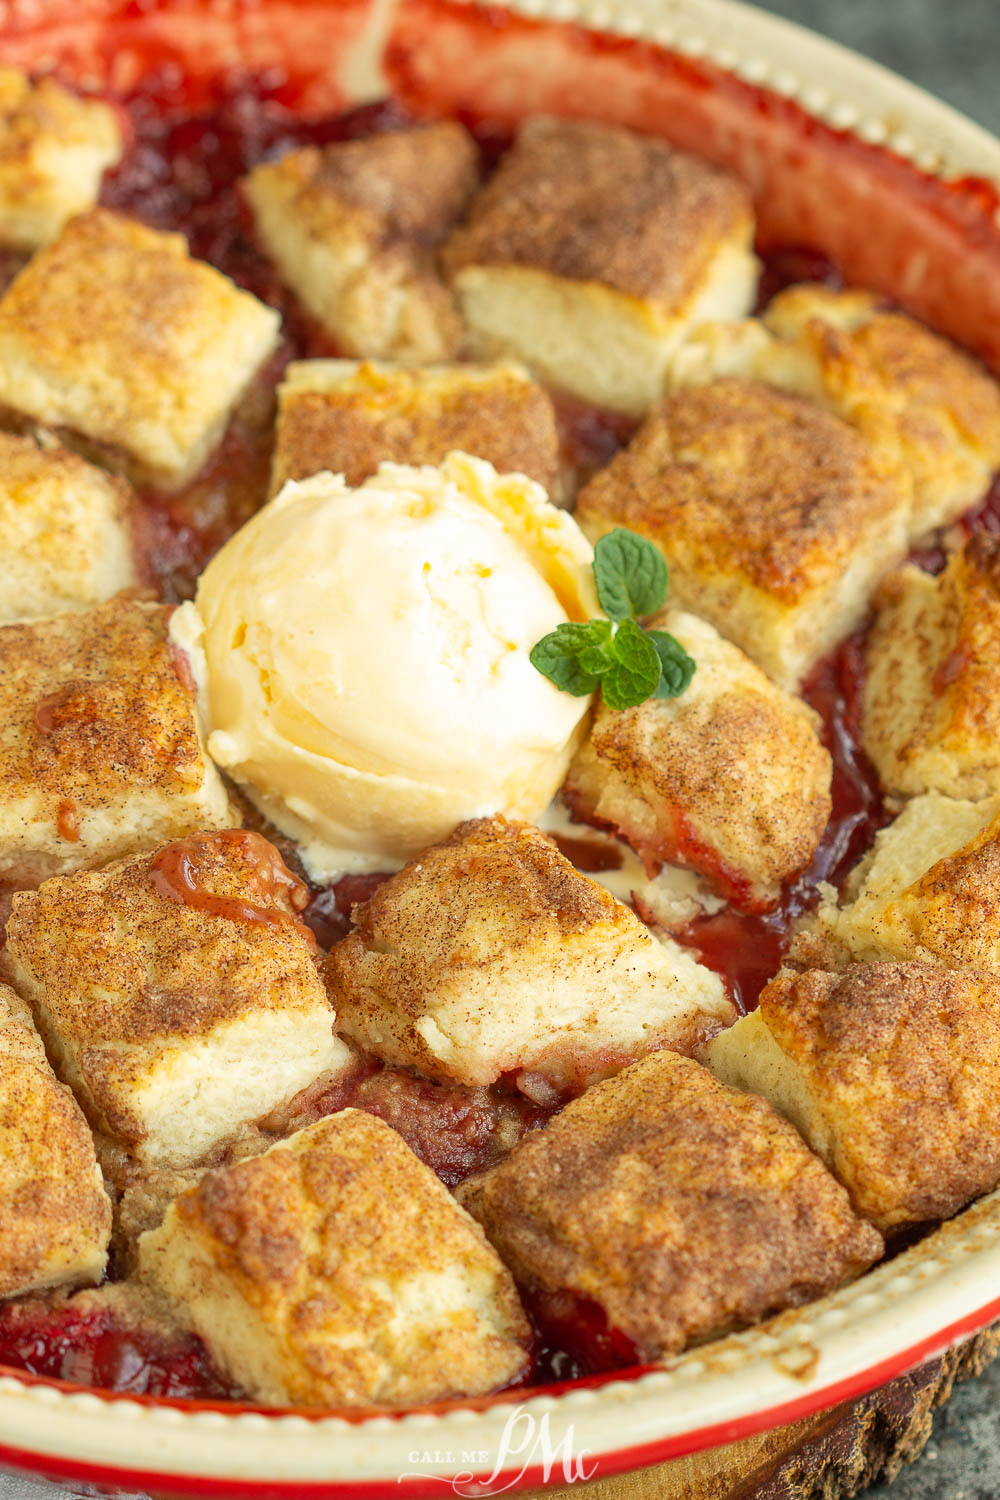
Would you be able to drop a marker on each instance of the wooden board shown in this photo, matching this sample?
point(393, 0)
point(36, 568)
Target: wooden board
point(826, 1457)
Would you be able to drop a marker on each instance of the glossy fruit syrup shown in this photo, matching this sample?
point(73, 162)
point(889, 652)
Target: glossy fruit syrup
point(181, 173)
point(95, 1345)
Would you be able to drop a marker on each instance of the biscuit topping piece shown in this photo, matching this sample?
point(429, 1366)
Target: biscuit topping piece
point(114, 331)
point(174, 1022)
point(682, 1208)
point(931, 410)
point(101, 752)
point(929, 890)
point(882, 368)
point(891, 1072)
point(55, 1213)
point(67, 530)
point(349, 417)
point(592, 251)
point(352, 228)
point(54, 150)
point(490, 954)
point(776, 519)
point(931, 719)
point(335, 1270)
point(730, 778)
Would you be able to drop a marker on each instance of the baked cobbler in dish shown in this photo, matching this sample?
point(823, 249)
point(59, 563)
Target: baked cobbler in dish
point(461, 645)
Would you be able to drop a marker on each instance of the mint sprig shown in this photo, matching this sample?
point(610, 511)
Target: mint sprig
point(631, 575)
point(628, 663)
point(676, 667)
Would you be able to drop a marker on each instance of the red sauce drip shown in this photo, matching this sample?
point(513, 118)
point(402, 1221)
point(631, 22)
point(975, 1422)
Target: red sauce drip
point(175, 870)
point(96, 1348)
point(181, 663)
point(68, 820)
point(983, 517)
point(696, 854)
point(951, 668)
point(48, 715)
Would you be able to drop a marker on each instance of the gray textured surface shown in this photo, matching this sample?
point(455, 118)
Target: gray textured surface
point(962, 1459)
point(952, 48)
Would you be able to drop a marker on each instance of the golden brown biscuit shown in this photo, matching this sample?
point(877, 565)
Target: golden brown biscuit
point(929, 408)
point(681, 1207)
point(776, 519)
point(55, 1213)
point(113, 330)
point(931, 715)
point(177, 993)
point(336, 1270)
point(490, 954)
point(929, 890)
point(101, 752)
point(349, 417)
point(942, 405)
point(67, 530)
point(730, 778)
point(142, 1204)
point(593, 250)
point(54, 149)
point(891, 1073)
point(352, 228)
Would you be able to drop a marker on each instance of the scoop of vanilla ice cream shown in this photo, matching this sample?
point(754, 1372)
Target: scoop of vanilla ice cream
point(363, 656)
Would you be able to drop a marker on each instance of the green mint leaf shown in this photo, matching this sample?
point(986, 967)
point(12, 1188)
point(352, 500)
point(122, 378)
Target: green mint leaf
point(636, 672)
point(598, 655)
point(569, 655)
point(630, 574)
point(676, 667)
